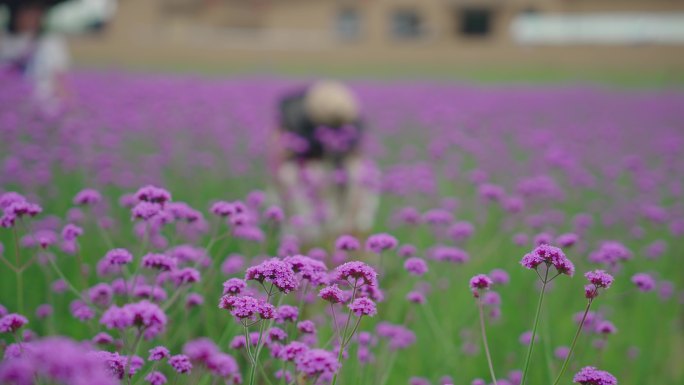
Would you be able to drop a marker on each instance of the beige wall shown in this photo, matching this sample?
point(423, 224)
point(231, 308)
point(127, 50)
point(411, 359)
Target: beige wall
point(300, 32)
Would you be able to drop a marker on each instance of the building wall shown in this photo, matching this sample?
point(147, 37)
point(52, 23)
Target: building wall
point(273, 32)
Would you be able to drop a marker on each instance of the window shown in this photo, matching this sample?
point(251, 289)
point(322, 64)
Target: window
point(348, 24)
point(475, 21)
point(406, 24)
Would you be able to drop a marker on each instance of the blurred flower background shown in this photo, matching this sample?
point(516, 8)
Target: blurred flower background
point(341, 192)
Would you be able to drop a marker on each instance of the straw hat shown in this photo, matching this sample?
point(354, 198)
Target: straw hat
point(331, 103)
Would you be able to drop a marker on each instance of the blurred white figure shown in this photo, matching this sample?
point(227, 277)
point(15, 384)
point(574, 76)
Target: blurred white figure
point(27, 50)
point(82, 16)
point(326, 184)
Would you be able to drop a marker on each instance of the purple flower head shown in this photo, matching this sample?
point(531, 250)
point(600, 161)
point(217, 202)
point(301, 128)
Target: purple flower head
point(520, 239)
point(449, 254)
point(186, 275)
point(158, 353)
point(420, 381)
point(55, 360)
point(543, 239)
point(491, 192)
point(180, 363)
point(308, 268)
point(549, 255)
point(81, 311)
point(415, 297)
point(332, 294)
point(232, 264)
point(247, 307)
point(655, 249)
point(156, 378)
point(87, 197)
point(438, 217)
point(398, 336)
point(460, 231)
point(381, 242)
point(43, 311)
point(160, 262)
point(274, 214)
point(286, 313)
point(480, 282)
point(234, 286)
point(222, 209)
point(118, 257)
point(194, 300)
point(317, 362)
point(526, 338)
point(610, 253)
point(200, 349)
point(44, 238)
point(146, 210)
point(356, 271)
point(239, 342)
point(491, 298)
point(306, 327)
point(145, 315)
point(224, 366)
point(276, 334)
point(71, 232)
point(561, 352)
point(347, 243)
point(275, 271)
point(16, 207)
point(644, 282)
point(605, 327)
point(589, 375)
point(8, 198)
point(255, 198)
point(665, 290)
point(513, 204)
point(102, 339)
point(153, 194)
point(287, 375)
point(599, 278)
point(292, 351)
point(499, 276)
point(416, 266)
point(408, 215)
point(407, 251)
point(363, 307)
point(12, 322)
point(590, 291)
point(101, 294)
point(567, 240)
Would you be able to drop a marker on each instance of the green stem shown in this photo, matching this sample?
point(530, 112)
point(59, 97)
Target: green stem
point(19, 272)
point(255, 363)
point(484, 340)
point(344, 336)
point(574, 341)
point(247, 345)
point(133, 352)
point(386, 375)
point(64, 278)
point(534, 328)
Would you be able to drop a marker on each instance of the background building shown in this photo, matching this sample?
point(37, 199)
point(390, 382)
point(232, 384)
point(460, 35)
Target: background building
point(395, 33)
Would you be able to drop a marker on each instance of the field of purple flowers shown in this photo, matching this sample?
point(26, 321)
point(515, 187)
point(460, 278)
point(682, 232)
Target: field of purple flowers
point(526, 235)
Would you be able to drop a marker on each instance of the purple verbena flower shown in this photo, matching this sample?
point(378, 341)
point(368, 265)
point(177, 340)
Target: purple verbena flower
point(589, 375)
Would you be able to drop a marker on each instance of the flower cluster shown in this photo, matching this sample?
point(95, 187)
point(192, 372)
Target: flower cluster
point(247, 307)
point(550, 256)
point(275, 271)
point(598, 279)
point(144, 315)
point(589, 375)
